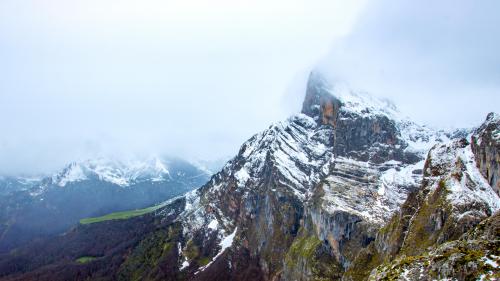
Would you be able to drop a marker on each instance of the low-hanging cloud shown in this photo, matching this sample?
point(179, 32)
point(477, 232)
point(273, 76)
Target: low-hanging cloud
point(82, 79)
point(438, 60)
point(89, 78)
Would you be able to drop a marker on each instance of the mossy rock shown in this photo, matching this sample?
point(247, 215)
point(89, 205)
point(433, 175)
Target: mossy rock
point(204, 261)
point(308, 251)
point(158, 247)
point(430, 223)
point(191, 251)
point(366, 260)
point(304, 247)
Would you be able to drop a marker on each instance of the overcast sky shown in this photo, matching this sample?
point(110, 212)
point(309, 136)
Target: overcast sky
point(439, 61)
point(81, 79)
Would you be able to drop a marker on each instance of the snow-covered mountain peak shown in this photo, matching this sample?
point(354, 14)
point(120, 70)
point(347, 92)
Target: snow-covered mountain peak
point(331, 131)
point(327, 99)
point(72, 173)
point(337, 104)
point(365, 104)
point(114, 171)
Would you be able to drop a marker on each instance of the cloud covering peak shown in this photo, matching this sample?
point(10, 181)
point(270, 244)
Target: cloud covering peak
point(437, 60)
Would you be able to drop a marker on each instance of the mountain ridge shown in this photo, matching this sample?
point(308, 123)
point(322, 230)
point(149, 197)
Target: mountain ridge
point(91, 188)
point(341, 191)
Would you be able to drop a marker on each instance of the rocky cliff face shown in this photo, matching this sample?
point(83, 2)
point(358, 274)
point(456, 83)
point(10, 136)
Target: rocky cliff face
point(319, 103)
point(454, 198)
point(486, 148)
point(345, 190)
point(308, 198)
point(474, 256)
point(304, 196)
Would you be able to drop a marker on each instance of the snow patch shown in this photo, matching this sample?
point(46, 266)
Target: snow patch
point(491, 262)
point(461, 190)
point(225, 243)
point(373, 192)
point(242, 177)
point(73, 173)
point(213, 224)
point(185, 263)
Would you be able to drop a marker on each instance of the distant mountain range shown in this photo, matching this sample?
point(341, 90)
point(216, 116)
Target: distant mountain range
point(44, 206)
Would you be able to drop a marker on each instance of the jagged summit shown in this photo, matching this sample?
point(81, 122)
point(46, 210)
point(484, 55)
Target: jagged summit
point(324, 101)
point(318, 102)
point(375, 120)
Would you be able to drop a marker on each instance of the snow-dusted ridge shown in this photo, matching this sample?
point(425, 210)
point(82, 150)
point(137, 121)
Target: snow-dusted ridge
point(420, 138)
point(122, 173)
point(453, 159)
point(362, 103)
point(116, 171)
point(298, 148)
